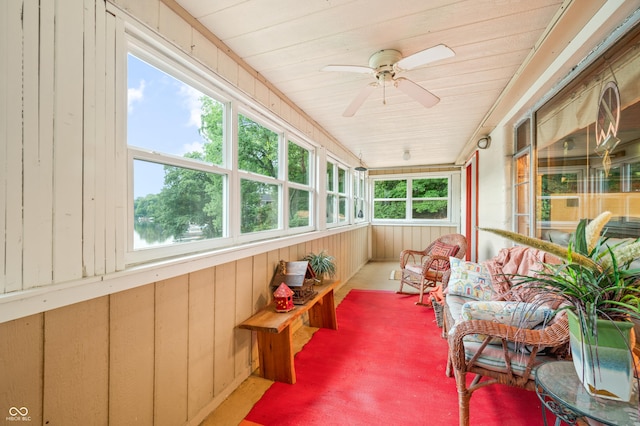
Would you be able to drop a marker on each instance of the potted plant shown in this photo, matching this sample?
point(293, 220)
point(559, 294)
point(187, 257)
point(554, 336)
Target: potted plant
point(322, 264)
point(603, 297)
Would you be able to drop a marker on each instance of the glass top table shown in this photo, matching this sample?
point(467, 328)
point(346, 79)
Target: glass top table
point(560, 390)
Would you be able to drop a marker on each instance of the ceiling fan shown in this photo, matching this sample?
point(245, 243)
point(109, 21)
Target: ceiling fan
point(384, 65)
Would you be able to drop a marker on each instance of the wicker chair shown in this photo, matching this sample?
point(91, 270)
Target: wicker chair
point(512, 362)
point(423, 269)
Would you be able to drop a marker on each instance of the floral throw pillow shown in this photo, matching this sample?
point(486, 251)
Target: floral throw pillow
point(469, 279)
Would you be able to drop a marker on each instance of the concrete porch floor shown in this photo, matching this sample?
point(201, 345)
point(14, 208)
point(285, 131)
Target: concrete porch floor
point(372, 276)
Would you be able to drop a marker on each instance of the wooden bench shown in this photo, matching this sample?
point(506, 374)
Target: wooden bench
point(275, 338)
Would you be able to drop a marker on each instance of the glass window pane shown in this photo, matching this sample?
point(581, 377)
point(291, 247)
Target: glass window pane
point(257, 148)
point(298, 164)
point(430, 188)
point(342, 180)
point(259, 204)
point(523, 135)
point(299, 202)
point(522, 225)
point(390, 189)
point(522, 169)
point(389, 209)
point(188, 124)
point(522, 198)
point(331, 208)
point(330, 177)
point(634, 177)
point(188, 206)
point(433, 209)
point(342, 209)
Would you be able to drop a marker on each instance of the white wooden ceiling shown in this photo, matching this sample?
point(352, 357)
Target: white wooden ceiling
point(289, 41)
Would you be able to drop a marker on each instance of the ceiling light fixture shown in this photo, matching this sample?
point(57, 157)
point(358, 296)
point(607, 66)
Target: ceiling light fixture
point(361, 168)
point(406, 156)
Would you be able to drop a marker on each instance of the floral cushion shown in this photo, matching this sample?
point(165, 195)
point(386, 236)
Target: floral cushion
point(469, 279)
point(517, 314)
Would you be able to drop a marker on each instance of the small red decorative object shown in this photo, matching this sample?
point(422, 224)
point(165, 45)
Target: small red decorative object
point(284, 298)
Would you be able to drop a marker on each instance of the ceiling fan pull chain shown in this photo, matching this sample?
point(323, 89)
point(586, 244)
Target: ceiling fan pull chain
point(384, 92)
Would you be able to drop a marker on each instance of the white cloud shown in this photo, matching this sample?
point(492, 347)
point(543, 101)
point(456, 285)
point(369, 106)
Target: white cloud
point(192, 102)
point(135, 95)
point(193, 147)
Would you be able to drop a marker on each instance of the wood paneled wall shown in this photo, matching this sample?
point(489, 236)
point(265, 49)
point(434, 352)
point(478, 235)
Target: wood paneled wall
point(389, 240)
point(165, 353)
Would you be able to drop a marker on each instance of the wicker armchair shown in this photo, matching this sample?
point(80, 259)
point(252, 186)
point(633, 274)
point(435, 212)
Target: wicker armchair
point(425, 268)
point(499, 353)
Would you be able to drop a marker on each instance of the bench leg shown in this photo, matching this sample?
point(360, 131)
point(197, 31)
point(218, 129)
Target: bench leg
point(323, 313)
point(276, 356)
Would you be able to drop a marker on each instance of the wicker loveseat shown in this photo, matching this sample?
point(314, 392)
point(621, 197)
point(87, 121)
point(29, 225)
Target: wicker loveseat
point(496, 332)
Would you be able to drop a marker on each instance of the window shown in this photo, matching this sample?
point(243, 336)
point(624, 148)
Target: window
point(413, 199)
point(359, 208)
point(300, 191)
point(522, 178)
point(588, 148)
point(343, 198)
point(338, 197)
point(195, 185)
point(258, 154)
point(175, 133)
point(332, 192)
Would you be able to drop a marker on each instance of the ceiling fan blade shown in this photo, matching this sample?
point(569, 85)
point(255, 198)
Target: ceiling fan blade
point(359, 100)
point(349, 68)
point(417, 92)
point(424, 57)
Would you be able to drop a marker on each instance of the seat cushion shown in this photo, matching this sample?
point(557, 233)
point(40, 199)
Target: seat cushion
point(492, 358)
point(431, 275)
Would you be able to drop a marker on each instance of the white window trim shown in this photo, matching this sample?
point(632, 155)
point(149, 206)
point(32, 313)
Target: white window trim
point(453, 205)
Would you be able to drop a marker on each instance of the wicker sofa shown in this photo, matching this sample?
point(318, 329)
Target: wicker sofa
point(495, 331)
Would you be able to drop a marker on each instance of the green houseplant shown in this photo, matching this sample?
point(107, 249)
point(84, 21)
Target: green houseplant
point(322, 264)
point(603, 296)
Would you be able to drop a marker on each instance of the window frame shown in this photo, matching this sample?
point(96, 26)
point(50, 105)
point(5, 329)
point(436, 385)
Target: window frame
point(185, 70)
point(453, 198)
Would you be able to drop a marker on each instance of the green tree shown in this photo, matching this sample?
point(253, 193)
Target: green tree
point(390, 209)
point(257, 153)
point(430, 188)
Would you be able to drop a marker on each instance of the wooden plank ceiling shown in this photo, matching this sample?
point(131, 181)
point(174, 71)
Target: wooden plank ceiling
point(289, 41)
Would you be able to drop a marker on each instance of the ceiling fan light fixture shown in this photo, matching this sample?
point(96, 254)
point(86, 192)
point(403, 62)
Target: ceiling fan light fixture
point(384, 65)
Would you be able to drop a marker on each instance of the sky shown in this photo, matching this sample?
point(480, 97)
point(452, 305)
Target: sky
point(163, 114)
